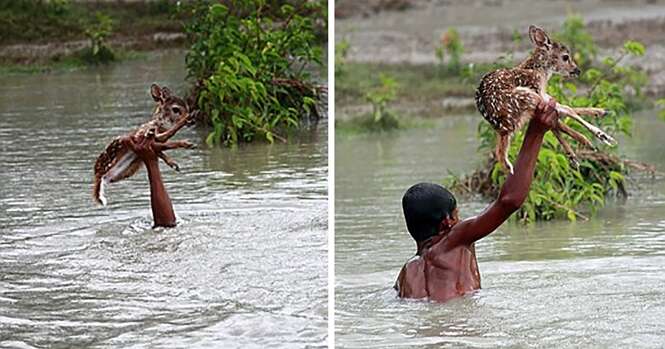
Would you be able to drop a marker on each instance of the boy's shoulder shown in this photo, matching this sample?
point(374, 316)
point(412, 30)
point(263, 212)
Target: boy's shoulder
point(411, 282)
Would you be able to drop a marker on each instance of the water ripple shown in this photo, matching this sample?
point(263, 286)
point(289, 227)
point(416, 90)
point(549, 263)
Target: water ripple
point(245, 267)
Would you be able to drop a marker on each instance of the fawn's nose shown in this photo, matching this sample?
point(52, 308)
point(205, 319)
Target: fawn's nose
point(576, 72)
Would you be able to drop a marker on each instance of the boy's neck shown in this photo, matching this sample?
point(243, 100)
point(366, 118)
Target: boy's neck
point(422, 245)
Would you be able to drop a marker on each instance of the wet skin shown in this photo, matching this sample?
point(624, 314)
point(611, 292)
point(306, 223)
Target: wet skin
point(147, 149)
point(445, 266)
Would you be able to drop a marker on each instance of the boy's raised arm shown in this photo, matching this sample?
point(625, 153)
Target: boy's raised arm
point(515, 189)
point(160, 202)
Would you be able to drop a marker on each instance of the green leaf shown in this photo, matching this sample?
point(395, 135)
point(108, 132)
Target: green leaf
point(218, 10)
point(616, 176)
point(570, 87)
point(571, 215)
point(634, 47)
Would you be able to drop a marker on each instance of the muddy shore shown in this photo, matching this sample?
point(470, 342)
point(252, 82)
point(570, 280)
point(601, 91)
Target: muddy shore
point(44, 53)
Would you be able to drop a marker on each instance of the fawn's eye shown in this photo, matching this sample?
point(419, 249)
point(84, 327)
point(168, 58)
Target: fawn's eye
point(565, 58)
point(176, 110)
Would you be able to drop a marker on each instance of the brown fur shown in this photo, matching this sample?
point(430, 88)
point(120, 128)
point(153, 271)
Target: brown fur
point(169, 110)
point(507, 98)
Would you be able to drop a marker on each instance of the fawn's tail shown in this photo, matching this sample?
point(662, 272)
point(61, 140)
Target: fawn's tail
point(98, 191)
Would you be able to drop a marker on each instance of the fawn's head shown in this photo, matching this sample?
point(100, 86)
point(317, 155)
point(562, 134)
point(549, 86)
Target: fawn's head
point(170, 108)
point(551, 56)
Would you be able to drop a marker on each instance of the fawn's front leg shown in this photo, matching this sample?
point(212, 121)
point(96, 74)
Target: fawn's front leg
point(600, 134)
point(164, 136)
point(162, 146)
point(174, 145)
point(572, 157)
point(169, 161)
point(576, 135)
point(596, 112)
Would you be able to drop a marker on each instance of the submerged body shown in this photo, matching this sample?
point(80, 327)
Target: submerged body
point(439, 277)
point(445, 264)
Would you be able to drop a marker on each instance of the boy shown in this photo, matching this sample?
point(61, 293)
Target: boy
point(445, 265)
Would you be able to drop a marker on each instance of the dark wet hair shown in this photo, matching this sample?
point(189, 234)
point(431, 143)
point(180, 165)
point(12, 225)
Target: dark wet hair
point(425, 206)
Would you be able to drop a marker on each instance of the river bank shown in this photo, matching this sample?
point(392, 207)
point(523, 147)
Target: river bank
point(39, 36)
point(394, 41)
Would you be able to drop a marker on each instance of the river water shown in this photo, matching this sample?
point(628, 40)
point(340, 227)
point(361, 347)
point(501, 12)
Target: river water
point(246, 266)
point(595, 284)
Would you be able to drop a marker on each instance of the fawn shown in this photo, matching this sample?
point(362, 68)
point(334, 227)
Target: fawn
point(118, 162)
point(507, 98)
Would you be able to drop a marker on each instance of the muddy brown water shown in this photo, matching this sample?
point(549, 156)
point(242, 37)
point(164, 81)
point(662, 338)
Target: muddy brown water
point(245, 267)
point(595, 284)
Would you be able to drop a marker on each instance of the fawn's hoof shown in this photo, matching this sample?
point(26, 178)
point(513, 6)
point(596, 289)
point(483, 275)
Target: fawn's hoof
point(607, 139)
point(192, 117)
point(574, 163)
point(508, 168)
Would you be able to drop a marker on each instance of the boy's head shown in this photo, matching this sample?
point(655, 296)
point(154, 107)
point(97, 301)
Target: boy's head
point(428, 209)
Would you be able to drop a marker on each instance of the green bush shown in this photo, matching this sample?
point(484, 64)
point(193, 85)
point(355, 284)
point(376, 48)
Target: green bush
point(97, 32)
point(30, 19)
point(580, 42)
point(380, 96)
point(452, 47)
point(341, 50)
point(661, 103)
point(248, 61)
point(63, 20)
point(558, 189)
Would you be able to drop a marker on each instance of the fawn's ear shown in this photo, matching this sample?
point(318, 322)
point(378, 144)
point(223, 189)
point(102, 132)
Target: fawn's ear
point(166, 93)
point(156, 93)
point(191, 102)
point(539, 37)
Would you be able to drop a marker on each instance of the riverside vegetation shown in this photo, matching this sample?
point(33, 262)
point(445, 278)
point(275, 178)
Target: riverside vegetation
point(40, 21)
point(559, 190)
point(381, 85)
point(36, 22)
point(249, 63)
point(359, 81)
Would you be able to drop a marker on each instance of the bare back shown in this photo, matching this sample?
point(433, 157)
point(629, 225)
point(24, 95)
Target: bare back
point(439, 276)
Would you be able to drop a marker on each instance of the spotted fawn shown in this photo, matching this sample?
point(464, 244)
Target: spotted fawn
point(118, 162)
point(507, 98)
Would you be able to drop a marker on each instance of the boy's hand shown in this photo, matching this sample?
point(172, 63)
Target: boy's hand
point(545, 117)
point(143, 145)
